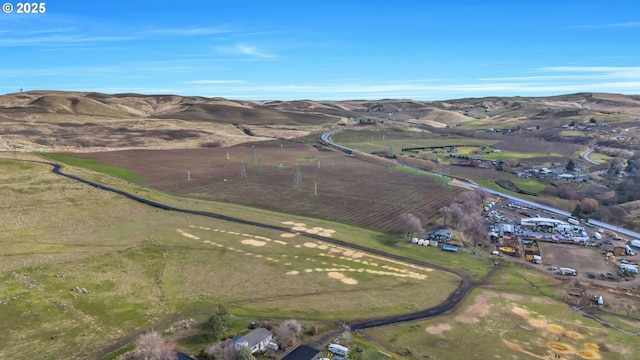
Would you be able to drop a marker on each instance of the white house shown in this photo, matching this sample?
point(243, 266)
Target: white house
point(256, 340)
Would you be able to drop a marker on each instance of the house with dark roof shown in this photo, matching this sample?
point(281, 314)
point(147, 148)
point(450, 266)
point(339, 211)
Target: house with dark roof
point(442, 235)
point(183, 356)
point(302, 352)
point(257, 340)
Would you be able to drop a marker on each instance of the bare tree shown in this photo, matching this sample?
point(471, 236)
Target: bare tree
point(589, 205)
point(411, 223)
point(457, 215)
point(244, 354)
point(469, 201)
point(288, 332)
point(151, 346)
point(483, 195)
point(224, 350)
point(446, 213)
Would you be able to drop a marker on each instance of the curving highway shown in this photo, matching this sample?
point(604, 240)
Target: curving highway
point(326, 138)
point(454, 299)
point(586, 157)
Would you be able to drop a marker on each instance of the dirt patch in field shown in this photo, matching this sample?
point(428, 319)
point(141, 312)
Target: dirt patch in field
point(556, 329)
point(438, 329)
point(589, 354)
point(574, 335)
point(521, 311)
point(253, 242)
point(478, 310)
point(342, 277)
point(561, 348)
point(187, 235)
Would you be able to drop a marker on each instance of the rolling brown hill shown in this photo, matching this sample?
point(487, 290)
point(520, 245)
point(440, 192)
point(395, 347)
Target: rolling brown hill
point(81, 121)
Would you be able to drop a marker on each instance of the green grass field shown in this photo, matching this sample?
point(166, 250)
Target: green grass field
point(145, 267)
point(92, 164)
point(599, 158)
point(530, 185)
point(506, 155)
point(369, 141)
point(510, 319)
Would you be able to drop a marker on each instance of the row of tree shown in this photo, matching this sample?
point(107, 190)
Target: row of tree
point(465, 214)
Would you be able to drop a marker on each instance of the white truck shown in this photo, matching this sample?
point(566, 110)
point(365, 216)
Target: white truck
point(573, 221)
point(635, 243)
point(567, 271)
point(597, 236)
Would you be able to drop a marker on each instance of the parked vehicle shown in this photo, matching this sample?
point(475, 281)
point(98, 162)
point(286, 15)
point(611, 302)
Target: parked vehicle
point(338, 349)
point(573, 221)
point(567, 271)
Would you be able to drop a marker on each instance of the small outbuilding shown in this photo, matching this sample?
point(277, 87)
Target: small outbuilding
point(619, 248)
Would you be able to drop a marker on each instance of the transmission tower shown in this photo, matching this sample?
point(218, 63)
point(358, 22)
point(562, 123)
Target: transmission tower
point(297, 178)
point(254, 156)
point(243, 170)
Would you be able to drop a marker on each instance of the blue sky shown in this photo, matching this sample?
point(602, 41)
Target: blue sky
point(324, 50)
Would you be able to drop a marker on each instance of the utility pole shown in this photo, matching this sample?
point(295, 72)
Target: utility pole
point(254, 155)
point(297, 178)
point(243, 170)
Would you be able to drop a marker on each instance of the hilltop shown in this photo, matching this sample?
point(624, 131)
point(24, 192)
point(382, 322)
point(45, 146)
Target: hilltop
point(82, 121)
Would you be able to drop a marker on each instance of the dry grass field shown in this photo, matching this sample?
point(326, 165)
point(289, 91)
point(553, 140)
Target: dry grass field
point(510, 319)
point(76, 121)
point(142, 267)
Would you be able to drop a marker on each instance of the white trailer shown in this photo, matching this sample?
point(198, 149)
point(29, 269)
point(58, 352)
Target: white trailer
point(567, 271)
point(630, 268)
point(338, 349)
point(573, 221)
point(635, 243)
point(597, 236)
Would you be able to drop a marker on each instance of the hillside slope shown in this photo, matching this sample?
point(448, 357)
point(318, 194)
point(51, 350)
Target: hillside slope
point(80, 121)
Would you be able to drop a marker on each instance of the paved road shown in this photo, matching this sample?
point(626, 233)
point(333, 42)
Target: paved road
point(326, 138)
point(586, 157)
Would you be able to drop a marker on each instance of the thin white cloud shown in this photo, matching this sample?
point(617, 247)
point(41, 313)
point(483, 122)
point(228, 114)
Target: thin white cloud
point(191, 31)
point(213, 82)
point(410, 89)
point(61, 40)
point(243, 49)
point(631, 24)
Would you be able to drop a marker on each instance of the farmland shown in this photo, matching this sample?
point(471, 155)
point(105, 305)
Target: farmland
point(369, 141)
point(141, 266)
point(348, 190)
point(533, 145)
